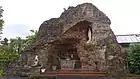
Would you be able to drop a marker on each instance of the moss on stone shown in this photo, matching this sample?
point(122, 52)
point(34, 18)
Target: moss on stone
point(111, 45)
point(89, 47)
point(54, 60)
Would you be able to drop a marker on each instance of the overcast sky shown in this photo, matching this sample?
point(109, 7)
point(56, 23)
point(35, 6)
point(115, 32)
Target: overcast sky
point(22, 15)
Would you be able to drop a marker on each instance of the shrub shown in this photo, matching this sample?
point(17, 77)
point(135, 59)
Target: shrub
point(133, 56)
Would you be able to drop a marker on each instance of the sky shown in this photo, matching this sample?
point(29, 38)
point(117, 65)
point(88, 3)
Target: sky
point(21, 16)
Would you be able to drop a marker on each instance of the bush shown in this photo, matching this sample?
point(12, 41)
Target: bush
point(133, 53)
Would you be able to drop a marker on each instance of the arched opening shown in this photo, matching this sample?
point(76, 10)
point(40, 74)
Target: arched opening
point(82, 29)
point(66, 47)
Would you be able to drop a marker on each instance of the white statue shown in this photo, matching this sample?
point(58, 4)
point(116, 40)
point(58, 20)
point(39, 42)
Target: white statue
point(89, 35)
point(36, 60)
point(43, 70)
point(72, 56)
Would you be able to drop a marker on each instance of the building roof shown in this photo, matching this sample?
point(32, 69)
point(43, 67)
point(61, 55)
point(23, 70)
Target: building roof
point(130, 38)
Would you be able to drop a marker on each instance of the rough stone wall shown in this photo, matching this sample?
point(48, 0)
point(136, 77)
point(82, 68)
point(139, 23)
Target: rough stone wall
point(78, 31)
point(50, 29)
point(55, 27)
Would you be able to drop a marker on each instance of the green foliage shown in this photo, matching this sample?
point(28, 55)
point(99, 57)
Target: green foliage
point(11, 49)
point(31, 38)
point(133, 56)
point(17, 45)
point(1, 20)
point(89, 47)
point(1, 72)
point(5, 55)
point(5, 41)
point(112, 46)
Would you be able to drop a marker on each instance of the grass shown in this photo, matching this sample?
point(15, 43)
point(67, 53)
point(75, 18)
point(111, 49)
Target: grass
point(1, 72)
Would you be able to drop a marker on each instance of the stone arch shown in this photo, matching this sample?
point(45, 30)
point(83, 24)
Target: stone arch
point(66, 46)
point(81, 28)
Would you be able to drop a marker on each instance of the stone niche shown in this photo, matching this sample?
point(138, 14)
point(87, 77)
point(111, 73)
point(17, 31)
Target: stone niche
point(81, 38)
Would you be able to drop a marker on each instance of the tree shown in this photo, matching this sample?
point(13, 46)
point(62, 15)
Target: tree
point(134, 58)
point(31, 38)
point(5, 41)
point(1, 27)
point(1, 20)
point(10, 49)
point(17, 45)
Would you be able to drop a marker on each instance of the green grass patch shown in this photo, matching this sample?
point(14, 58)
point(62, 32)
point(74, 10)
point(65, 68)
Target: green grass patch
point(1, 72)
